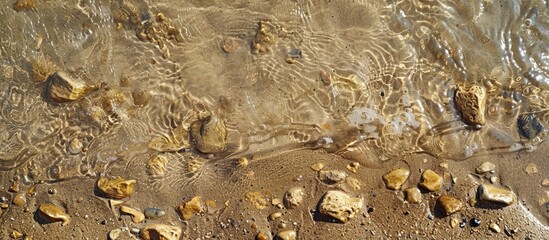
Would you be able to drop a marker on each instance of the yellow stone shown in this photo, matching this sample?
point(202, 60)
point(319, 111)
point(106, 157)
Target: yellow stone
point(136, 215)
point(396, 178)
point(413, 195)
point(161, 232)
point(431, 181)
point(257, 199)
point(116, 188)
point(449, 204)
point(54, 213)
point(471, 103)
point(20, 199)
point(156, 165)
point(192, 207)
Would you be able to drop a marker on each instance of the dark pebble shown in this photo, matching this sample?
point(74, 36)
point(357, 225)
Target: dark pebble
point(529, 125)
point(475, 222)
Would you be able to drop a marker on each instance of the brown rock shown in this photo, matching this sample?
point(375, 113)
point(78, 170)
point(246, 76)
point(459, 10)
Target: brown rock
point(63, 88)
point(413, 195)
point(21, 5)
point(209, 134)
point(116, 188)
point(340, 205)
point(471, 103)
point(20, 199)
point(493, 194)
point(263, 39)
point(53, 213)
point(161, 232)
point(430, 181)
point(192, 207)
point(449, 204)
point(395, 178)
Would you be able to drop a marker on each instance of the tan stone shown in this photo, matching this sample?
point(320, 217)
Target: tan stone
point(137, 216)
point(54, 213)
point(340, 205)
point(531, 168)
point(431, 181)
point(493, 194)
point(230, 44)
point(331, 176)
point(485, 167)
point(471, 103)
point(116, 188)
point(396, 178)
point(192, 207)
point(353, 167)
point(156, 165)
point(209, 134)
point(20, 199)
point(317, 166)
point(413, 195)
point(294, 197)
point(287, 235)
point(353, 183)
point(161, 232)
point(449, 204)
point(63, 88)
point(263, 39)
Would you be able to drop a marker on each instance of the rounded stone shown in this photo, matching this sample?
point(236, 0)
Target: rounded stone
point(116, 188)
point(449, 204)
point(431, 181)
point(294, 197)
point(396, 178)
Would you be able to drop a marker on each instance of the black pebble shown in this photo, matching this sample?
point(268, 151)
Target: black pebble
point(475, 222)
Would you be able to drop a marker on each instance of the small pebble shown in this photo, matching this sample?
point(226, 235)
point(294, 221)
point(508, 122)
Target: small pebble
point(275, 216)
point(229, 45)
point(20, 199)
point(16, 234)
point(474, 222)
point(136, 215)
point(161, 231)
point(413, 195)
point(294, 197)
point(430, 181)
point(243, 162)
point(116, 188)
point(135, 231)
point(192, 207)
point(493, 179)
point(353, 167)
point(14, 187)
point(449, 204)
point(54, 213)
point(485, 167)
point(494, 194)
point(317, 166)
point(52, 191)
point(287, 235)
point(340, 205)
point(262, 236)
point(396, 178)
point(331, 176)
point(495, 228)
point(114, 234)
point(545, 182)
point(353, 183)
point(154, 213)
point(531, 168)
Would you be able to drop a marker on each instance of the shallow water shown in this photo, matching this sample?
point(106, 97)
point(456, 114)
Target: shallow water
point(373, 82)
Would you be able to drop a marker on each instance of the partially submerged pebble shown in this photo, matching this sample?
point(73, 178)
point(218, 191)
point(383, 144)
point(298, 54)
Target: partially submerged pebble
point(75, 146)
point(156, 165)
point(485, 167)
point(262, 236)
point(229, 44)
point(275, 216)
point(331, 176)
point(353, 167)
point(63, 88)
point(449, 204)
point(135, 214)
point(489, 193)
point(396, 178)
point(413, 195)
point(192, 207)
point(286, 235)
point(20, 199)
point(161, 232)
point(154, 213)
point(116, 188)
point(294, 197)
point(53, 213)
point(340, 205)
point(529, 126)
point(471, 103)
point(430, 181)
point(264, 38)
point(209, 134)
point(114, 234)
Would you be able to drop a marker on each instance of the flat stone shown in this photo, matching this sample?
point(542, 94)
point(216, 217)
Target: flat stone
point(545, 182)
point(154, 213)
point(413, 195)
point(116, 188)
point(331, 176)
point(449, 204)
point(257, 200)
point(156, 165)
point(471, 103)
point(161, 232)
point(430, 181)
point(294, 197)
point(317, 166)
point(63, 88)
point(54, 213)
point(396, 178)
point(485, 167)
point(192, 207)
point(340, 205)
point(287, 235)
point(275, 216)
point(230, 44)
point(135, 214)
point(20, 199)
point(353, 167)
point(209, 134)
point(493, 194)
point(262, 236)
point(531, 168)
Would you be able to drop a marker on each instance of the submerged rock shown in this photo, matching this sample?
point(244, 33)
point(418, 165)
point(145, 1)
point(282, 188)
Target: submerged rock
point(192, 207)
point(53, 213)
point(264, 38)
point(471, 103)
point(230, 44)
point(63, 88)
point(489, 193)
point(161, 232)
point(529, 125)
point(449, 204)
point(156, 165)
point(395, 178)
point(340, 205)
point(294, 197)
point(430, 181)
point(209, 134)
point(116, 188)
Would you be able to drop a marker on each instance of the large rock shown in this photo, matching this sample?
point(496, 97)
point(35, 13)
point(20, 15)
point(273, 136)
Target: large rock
point(53, 213)
point(63, 88)
point(161, 232)
point(340, 205)
point(489, 193)
point(209, 134)
point(116, 188)
point(471, 103)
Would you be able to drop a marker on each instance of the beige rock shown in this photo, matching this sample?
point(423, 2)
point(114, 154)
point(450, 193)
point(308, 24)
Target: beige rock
point(263, 39)
point(243, 162)
point(75, 146)
point(430, 181)
point(531, 168)
point(54, 213)
point(16, 234)
point(413, 195)
point(294, 197)
point(485, 167)
point(209, 134)
point(396, 178)
point(275, 216)
point(454, 221)
point(230, 44)
point(331, 176)
point(262, 236)
point(116, 188)
point(156, 165)
point(449, 204)
point(20, 199)
point(353, 183)
point(353, 167)
point(493, 194)
point(63, 88)
point(192, 207)
point(545, 182)
point(114, 234)
point(287, 235)
point(137, 216)
point(471, 103)
point(495, 228)
point(340, 205)
point(317, 166)
point(161, 232)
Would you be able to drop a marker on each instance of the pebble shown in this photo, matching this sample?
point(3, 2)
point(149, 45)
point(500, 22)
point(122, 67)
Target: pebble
point(471, 103)
point(135, 231)
point(161, 232)
point(230, 45)
point(154, 213)
point(116, 188)
point(21, 5)
point(14, 187)
point(20, 199)
point(63, 88)
point(317, 166)
point(495, 228)
point(263, 39)
point(53, 213)
point(192, 207)
point(485, 167)
point(430, 181)
point(340, 205)
point(545, 182)
point(454, 221)
point(114, 234)
point(209, 134)
point(529, 125)
point(493, 179)
point(449, 204)
point(531, 168)
point(275, 216)
point(353, 167)
point(396, 178)
point(475, 222)
point(413, 195)
point(294, 197)
point(156, 165)
point(4, 205)
point(136, 215)
point(494, 194)
point(262, 236)
point(75, 146)
point(16, 234)
point(287, 235)
point(331, 176)
point(353, 183)
point(242, 162)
